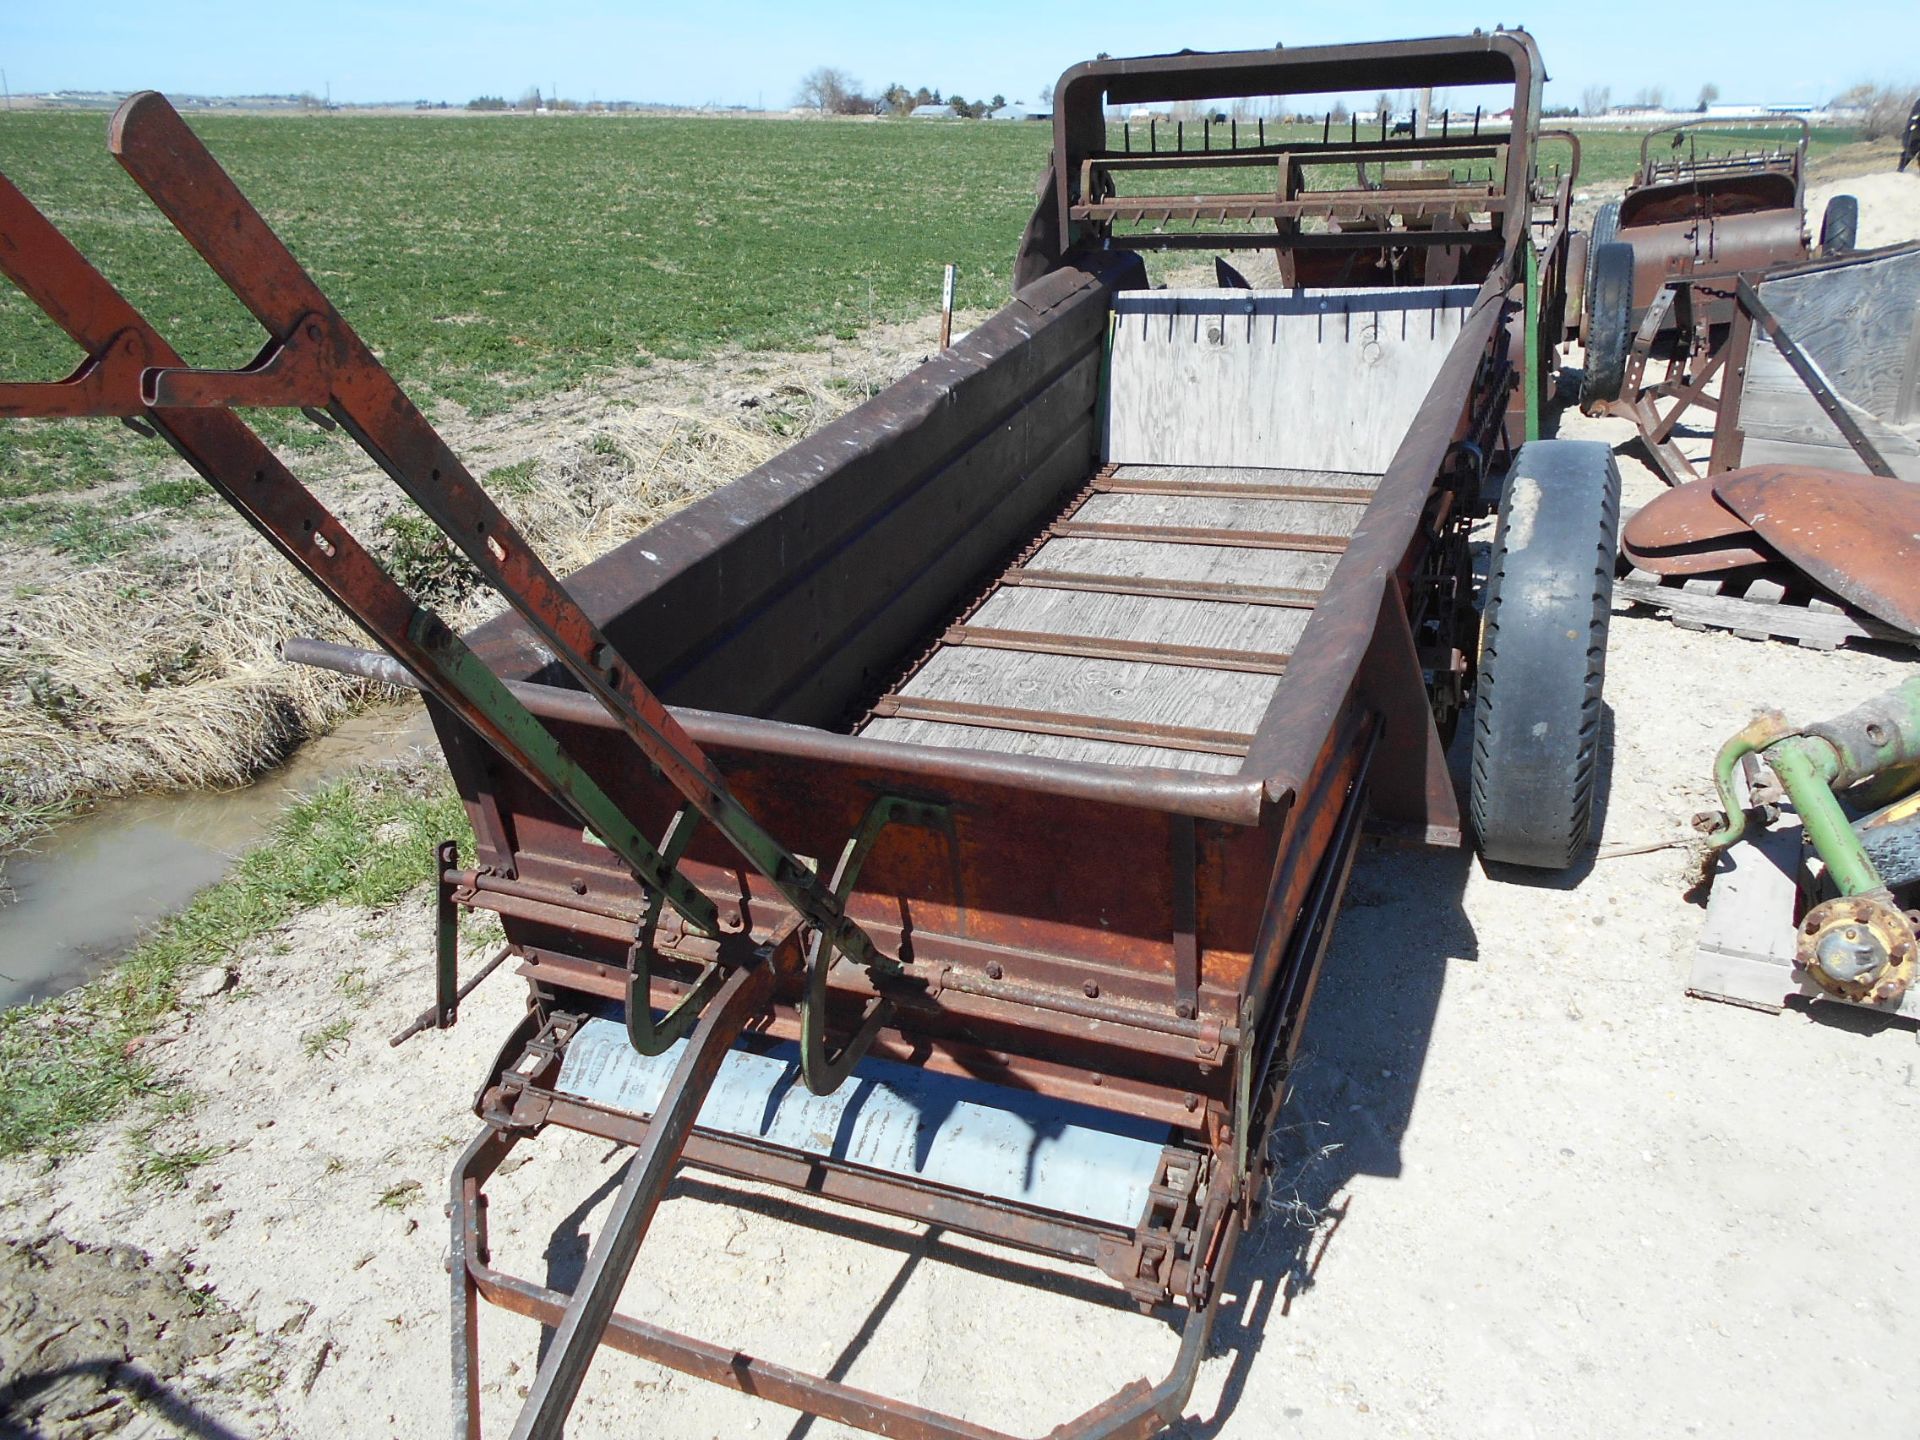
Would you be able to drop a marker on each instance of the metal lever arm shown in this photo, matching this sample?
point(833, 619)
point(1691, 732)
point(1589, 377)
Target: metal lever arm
point(183, 179)
point(47, 268)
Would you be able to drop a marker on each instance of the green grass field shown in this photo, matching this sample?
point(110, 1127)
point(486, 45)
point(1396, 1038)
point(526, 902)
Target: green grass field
point(493, 260)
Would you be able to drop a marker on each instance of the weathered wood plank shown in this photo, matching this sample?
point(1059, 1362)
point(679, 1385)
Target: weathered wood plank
point(1311, 379)
point(1221, 563)
point(1857, 323)
point(1783, 423)
point(1103, 689)
point(1821, 629)
point(1300, 517)
point(1217, 478)
point(1745, 951)
point(1699, 587)
point(1761, 592)
point(1051, 747)
point(1144, 617)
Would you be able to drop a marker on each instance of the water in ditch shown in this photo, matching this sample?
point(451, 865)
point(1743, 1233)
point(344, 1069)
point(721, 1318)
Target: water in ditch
point(81, 896)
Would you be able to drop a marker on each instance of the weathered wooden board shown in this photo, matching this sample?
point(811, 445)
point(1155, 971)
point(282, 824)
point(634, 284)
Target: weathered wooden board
point(1762, 614)
point(1122, 690)
point(1227, 626)
point(1051, 747)
point(1218, 563)
point(1745, 951)
point(1309, 379)
point(1783, 423)
point(1223, 476)
point(1859, 324)
point(1296, 517)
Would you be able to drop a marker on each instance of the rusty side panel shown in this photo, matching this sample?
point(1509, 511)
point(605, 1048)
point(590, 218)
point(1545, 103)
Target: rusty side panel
point(787, 594)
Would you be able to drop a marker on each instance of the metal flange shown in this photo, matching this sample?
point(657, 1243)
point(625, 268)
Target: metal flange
point(1859, 947)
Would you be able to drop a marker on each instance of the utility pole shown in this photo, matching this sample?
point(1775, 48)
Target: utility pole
point(5, 87)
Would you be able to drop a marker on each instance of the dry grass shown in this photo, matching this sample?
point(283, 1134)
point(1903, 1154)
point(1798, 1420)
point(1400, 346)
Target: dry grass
point(111, 685)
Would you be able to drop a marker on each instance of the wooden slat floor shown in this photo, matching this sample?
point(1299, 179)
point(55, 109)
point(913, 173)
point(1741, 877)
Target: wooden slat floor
point(1151, 625)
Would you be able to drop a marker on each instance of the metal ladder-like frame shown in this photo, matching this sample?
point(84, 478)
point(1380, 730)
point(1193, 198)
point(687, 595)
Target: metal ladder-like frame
point(314, 361)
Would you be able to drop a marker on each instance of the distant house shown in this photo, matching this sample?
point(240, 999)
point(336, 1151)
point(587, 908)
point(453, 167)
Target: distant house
point(1020, 110)
point(931, 112)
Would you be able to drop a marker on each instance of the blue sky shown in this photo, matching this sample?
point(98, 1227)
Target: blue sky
point(749, 51)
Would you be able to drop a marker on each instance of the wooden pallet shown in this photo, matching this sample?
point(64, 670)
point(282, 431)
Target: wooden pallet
point(1756, 608)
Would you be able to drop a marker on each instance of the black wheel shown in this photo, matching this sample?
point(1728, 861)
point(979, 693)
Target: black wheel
point(1609, 326)
point(1840, 226)
point(1543, 654)
point(1605, 230)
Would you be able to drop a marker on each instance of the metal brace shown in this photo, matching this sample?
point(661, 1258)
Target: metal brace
point(824, 1069)
point(643, 1033)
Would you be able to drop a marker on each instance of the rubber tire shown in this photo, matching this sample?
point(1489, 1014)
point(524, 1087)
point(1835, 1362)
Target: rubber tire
point(1609, 327)
point(1840, 226)
point(1543, 654)
point(1605, 230)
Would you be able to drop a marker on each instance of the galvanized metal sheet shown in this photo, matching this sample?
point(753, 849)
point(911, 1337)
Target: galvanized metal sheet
point(967, 1134)
point(1859, 535)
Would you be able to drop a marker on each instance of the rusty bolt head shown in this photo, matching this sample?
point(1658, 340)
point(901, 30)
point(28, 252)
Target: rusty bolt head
point(1091, 989)
point(994, 970)
point(1191, 1101)
point(579, 886)
point(1183, 1010)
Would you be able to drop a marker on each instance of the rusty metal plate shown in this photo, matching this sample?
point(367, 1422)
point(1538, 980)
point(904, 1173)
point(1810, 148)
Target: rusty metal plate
point(1688, 531)
point(1709, 557)
point(1859, 535)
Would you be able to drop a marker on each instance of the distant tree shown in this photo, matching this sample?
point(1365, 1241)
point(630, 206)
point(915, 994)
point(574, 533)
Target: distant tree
point(996, 102)
point(530, 98)
point(923, 96)
point(1882, 109)
point(1652, 97)
point(899, 99)
point(825, 89)
point(1596, 100)
point(1709, 93)
point(1046, 94)
point(487, 102)
point(1339, 112)
point(1382, 104)
point(957, 103)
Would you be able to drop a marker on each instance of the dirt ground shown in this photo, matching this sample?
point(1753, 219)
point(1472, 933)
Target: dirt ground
point(1527, 1186)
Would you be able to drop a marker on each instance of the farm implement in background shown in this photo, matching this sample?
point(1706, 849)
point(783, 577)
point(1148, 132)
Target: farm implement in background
point(1817, 851)
point(1661, 261)
point(1067, 672)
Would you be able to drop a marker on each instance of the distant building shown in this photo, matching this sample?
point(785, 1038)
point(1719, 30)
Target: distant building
point(1020, 110)
point(931, 112)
